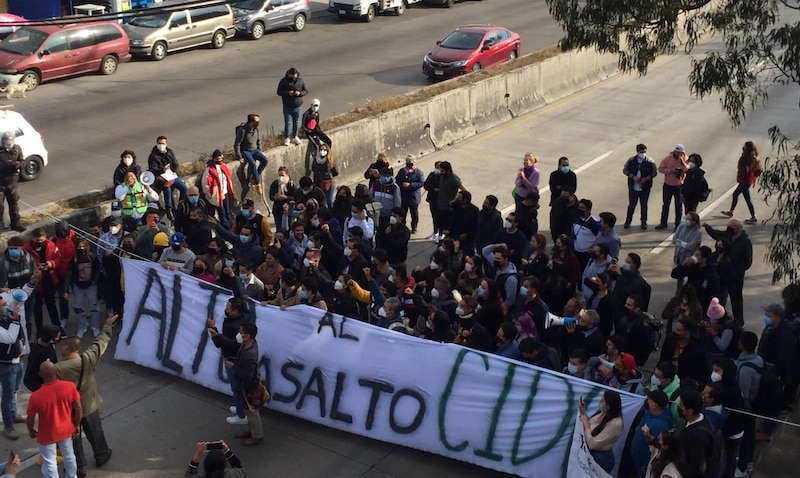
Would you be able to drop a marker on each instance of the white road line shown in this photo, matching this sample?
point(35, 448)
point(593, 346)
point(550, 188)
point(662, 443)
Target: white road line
point(668, 241)
point(546, 189)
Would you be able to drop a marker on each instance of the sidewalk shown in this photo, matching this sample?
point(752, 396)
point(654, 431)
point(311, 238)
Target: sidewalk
point(779, 457)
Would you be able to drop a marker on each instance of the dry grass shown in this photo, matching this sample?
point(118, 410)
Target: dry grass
point(58, 210)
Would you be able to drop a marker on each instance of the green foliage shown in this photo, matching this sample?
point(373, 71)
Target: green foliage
point(758, 52)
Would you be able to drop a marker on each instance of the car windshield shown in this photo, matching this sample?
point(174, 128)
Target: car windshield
point(250, 4)
point(462, 40)
point(24, 41)
point(151, 21)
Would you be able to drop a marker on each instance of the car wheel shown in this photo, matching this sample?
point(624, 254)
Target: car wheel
point(299, 22)
point(257, 31)
point(109, 65)
point(31, 168)
point(31, 78)
point(371, 13)
point(513, 55)
point(476, 67)
point(159, 51)
point(400, 9)
point(218, 40)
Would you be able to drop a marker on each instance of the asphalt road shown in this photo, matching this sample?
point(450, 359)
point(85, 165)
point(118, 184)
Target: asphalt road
point(196, 97)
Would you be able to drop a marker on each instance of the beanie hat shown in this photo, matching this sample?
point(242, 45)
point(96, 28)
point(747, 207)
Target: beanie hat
point(161, 240)
point(715, 310)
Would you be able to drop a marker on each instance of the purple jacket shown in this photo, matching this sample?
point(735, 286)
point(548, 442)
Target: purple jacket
point(527, 184)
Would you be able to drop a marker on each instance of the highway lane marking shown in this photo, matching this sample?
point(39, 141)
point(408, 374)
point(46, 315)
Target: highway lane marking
point(668, 241)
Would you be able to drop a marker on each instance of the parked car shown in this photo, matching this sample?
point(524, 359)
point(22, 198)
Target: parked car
point(31, 142)
point(6, 30)
point(178, 26)
point(255, 17)
point(45, 52)
point(471, 48)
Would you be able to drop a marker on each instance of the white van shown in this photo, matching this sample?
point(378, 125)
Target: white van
point(31, 142)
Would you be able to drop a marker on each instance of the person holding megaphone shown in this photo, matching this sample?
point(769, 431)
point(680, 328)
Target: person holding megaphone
point(134, 195)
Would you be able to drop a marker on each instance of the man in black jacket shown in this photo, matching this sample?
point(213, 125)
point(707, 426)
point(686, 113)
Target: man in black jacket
point(291, 89)
point(691, 361)
point(489, 222)
point(11, 159)
point(701, 274)
point(697, 437)
point(162, 161)
point(465, 222)
point(640, 170)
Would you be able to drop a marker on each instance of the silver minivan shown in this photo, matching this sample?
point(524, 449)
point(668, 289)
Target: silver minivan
point(254, 17)
point(177, 27)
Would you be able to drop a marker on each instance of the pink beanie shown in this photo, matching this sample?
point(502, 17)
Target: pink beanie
point(715, 310)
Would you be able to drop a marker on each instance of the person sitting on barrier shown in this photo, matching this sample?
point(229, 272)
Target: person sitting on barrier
point(163, 164)
point(127, 162)
point(218, 456)
point(133, 195)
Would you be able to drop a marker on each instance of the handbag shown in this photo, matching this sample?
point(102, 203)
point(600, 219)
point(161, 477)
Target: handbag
point(256, 397)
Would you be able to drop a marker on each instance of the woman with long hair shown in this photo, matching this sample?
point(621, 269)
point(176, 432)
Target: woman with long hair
point(667, 458)
point(323, 169)
point(491, 309)
point(603, 429)
point(747, 170)
point(683, 305)
point(342, 204)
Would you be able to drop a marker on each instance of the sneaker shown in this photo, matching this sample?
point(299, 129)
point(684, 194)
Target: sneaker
point(18, 227)
point(287, 142)
point(235, 420)
point(414, 231)
point(727, 213)
point(296, 140)
point(10, 433)
point(436, 238)
point(661, 226)
point(751, 221)
point(644, 226)
point(99, 462)
point(430, 236)
point(232, 409)
point(627, 225)
point(20, 418)
point(81, 332)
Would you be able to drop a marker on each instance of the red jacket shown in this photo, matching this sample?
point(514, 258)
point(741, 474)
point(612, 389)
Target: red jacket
point(66, 251)
point(748, 176)
point(51, 256)
point(212, 188)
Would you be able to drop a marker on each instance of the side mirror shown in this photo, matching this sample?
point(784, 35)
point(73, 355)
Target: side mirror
point(486, 45)
point(173, 25)
point(44, 52)
point(438, 42)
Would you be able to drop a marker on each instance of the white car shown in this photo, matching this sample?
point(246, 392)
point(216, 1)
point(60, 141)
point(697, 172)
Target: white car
point(31, 142)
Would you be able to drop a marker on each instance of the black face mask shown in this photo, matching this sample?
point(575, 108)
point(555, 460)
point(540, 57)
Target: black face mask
point(158, 250)
point(38, 245)
point(198, 270)
point(176, 247)
point(128, 247)
point(212, 251)
point(81, 252)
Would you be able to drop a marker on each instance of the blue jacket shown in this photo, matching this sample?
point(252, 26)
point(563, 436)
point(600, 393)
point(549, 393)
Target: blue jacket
point(748, 378)
point(411, 196)
point(640, 450)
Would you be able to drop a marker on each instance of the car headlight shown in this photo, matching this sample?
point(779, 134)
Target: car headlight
point(8, 71)
point(426, 59)
point(137, 42)
point(357, 8)
point(460, 63)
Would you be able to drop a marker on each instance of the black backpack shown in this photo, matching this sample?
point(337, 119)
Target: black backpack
point(769, 397)
point(705, 191)
point(715, 464)
point(501, 280)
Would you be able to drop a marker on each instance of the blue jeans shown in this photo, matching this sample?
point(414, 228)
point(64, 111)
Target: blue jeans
point(224, 213)
point(237, 397)
point(10, 378)
point(604, 459)
point(291, 120)
point(744, 191)
point(251, 157)
point(182, 187)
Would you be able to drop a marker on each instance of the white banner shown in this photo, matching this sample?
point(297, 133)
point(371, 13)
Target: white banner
point(345, 374)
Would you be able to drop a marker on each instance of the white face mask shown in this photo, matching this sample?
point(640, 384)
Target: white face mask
point(306, 262)
point(239, 338)
point(161, 147)
point(114, 230)
point(655, 381)
point(692, 165)
point(434, 266)
point(347, 251)
point(435, 293)
point(116, 213)
point(315, 222)
point(459, 311)
point(128, 160)
point(338, 286)
point(381, 312)
point(506, 224)
point(283, 179)
point(323, 153)
point(715, 377)
point(392, 220)
point(468, 267)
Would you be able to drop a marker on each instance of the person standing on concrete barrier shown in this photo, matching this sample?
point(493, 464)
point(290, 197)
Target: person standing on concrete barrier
point(79, 367)
point(247, 148)
point(411, 180)
point(312, 127)
point(11, 159)
point(674, 167)
point(640, 170)
point(291, 89)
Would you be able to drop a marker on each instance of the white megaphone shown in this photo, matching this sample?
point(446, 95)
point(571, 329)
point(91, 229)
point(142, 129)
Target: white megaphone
point(16, 297)
point(147, 178)
point(554, 321)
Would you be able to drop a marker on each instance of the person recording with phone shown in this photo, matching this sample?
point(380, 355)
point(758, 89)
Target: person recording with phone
point(218, 455)
point(10, 468)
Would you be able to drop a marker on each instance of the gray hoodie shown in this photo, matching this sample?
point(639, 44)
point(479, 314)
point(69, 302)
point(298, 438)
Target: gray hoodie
point(749, 378)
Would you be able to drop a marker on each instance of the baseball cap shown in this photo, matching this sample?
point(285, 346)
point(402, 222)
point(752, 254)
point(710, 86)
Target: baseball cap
point(247, 203)
point(679, 148)
point(658, 396)
point(315, 102)
point(776, 309)
point(627, 361)
point(177, 239)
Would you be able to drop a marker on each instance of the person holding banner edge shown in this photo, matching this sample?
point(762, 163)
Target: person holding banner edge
point(603, 429)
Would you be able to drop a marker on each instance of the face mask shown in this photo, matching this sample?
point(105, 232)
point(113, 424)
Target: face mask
point(506, 224)
point(428, 325)
point(564, 169)
point(433, 266)
point(127, 160)
point(323, 153)
point(392, 220)
point(767, 321)
point(436, 172)
point(572, 369)
point(244, 239)
point(441, 249)
point(315, 109)
point(626, 267)
point(347, 251)
point(306, 262)
point(468, 267)
point(14, 253)
point(729, 230)
point(193, 200)
point(523, 291)
point(306, 191)
point(435, 293)
point(715, 377)
point(481, 292)
point(354, 216)
point(116, 213)
point(212, 251)
point(315, 222)
point(459, 311)
point(161, 147)
point(641, 155)
point(283, 179)
point(338, 286)
point(243, 276)
point(128, 247)
point(176, 247)
point(81, 252)
point(198, 270)
point(655, 381)
point(303, 294)
point(409, 165)
point(228, 263)
point(239, 338)
point(556, 248)
point(114, 230)
point(246, 212)
point(7, 311)
point(381, 312)
point(692, 165)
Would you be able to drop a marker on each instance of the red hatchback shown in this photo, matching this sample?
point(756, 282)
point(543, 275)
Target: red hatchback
point(471, 48)
point(34, 54)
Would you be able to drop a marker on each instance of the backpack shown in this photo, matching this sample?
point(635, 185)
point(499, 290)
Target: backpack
point(656, 326)
point(238, 128)
point(769, 397)
point(705, 191)
point(715, 464)
point(501, 280)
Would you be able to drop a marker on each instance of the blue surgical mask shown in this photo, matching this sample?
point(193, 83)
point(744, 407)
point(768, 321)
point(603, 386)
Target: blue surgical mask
point(767, 320)
point(193, 200)
point(523, 291)
point(481, 292)
point(243, 276)
point(564, 169)
point(655, 381)
point(246, 212)
point(386, 179)
point(244, 238)
point(228, 263)
point(14, 253)
point(303, 294)
point(626, 267)
point(572, 369)
point(354, 215)
point(7, 311)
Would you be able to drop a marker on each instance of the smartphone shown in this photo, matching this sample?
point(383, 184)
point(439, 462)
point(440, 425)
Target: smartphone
point(11, 455)
point(214, 445)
